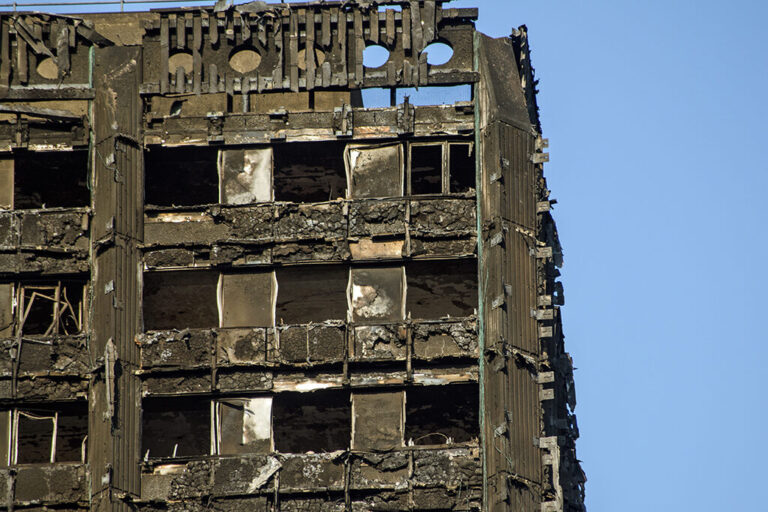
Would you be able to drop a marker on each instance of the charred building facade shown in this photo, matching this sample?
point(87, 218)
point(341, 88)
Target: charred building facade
point(228, 282)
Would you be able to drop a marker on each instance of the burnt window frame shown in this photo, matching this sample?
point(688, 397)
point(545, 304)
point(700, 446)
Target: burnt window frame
point(12, 419)
point(445, 389)
point(8, 170)
point(148, 184)
point(446, 147)
point(215, 445)
point(20, 308)
point(222, 169)
point(273, 273)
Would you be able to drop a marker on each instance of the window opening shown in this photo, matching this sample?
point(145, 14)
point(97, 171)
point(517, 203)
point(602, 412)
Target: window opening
point(378, 97)
point(244, 60)
point(426, 169)
point(35, 436)
point(247, 299)
point(246, 175)
point(438, 289)
point(442, 414)
point(438, 53)
point(378, 420)
point(177, 300)
point(317, 422)
point(311, 294)
point(461, 167)
point(374, 170)
point(175, 427)
point(48, 434)
point(49, 179)
point(183, 60)
point(181, 176)
point(244, 426)
point(48, 69)
point(6, 183)
point(53, 308)
point(309, 172)
point(318, 55)
point(434, 94)
point(375, 56)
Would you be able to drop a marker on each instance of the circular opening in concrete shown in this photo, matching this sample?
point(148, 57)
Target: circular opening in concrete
point(180, 60)
point(46, 68)
point(245, 61)
point(438, 53)
point(375, 56)
point(319, 58)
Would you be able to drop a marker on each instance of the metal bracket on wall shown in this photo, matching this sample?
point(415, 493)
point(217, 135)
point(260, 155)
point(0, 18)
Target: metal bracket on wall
point(406, 115)
point(215, 126)
point(22, 132)
point(343, 121)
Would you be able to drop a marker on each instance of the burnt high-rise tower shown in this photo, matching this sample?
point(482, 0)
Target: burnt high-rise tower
point(244, 269)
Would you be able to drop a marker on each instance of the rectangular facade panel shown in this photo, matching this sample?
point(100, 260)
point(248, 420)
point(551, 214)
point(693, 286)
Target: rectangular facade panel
point(245, 176)
point(374, 171)
point(378, 420)
point(247, 300)
point(6, 183)
point(377, 294)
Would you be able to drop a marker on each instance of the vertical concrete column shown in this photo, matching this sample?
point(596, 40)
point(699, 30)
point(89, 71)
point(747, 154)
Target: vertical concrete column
point(117, 181)
point(511, 412)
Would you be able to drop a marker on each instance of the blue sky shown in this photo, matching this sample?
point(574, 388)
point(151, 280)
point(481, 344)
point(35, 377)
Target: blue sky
point(655, 112)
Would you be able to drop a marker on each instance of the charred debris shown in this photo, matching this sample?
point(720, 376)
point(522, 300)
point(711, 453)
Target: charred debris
point(228, 281)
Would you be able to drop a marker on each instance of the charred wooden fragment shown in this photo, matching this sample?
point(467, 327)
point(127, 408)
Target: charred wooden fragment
point(232, 278)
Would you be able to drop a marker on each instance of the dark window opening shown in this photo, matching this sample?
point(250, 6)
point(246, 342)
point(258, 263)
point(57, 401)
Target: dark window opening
point(38, 310)
point(320, 421)
point(181, 176)
point(35, 432)
point(437, 289)
point(311, 294)
point(71, 432)
point(51, 179)
point(462, 165)
point(442, 414)
point(177, 300)
point(309, 172)
point(175, 427)
point(426, 169)
point(52, 308)
point(35, 437)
